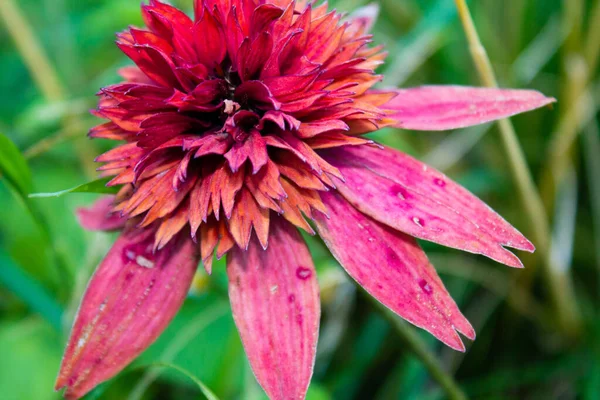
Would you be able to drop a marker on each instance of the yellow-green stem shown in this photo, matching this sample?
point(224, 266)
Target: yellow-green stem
point(559, 284)
point(42, 71)
point(592, 40)
point(31, 51)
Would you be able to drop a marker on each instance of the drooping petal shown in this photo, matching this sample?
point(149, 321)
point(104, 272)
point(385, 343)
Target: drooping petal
point(275, 300)
point(101, 216)
point(129, 301)
point(437, 108)
point(392, 268)
point(409, 196)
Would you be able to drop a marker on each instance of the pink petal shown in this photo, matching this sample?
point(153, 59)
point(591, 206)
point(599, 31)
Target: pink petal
point(275, 300)
point(392, 268)
point(365, 17)
point(100, 216)
point(129, 301)
point(411, 197)
point(253, 148)
point(438, 108)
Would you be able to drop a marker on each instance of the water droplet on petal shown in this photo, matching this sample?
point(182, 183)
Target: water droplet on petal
point(303, 273)
point(144, 262)
point(425, 286)
point(398, 191)
point(418, 221)
point(439, 182)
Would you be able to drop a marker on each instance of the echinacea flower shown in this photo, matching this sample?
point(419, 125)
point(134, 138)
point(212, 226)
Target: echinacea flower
point(242, 125)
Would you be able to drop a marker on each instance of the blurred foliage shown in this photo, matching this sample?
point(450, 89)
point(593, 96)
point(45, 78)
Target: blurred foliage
point(45, 258)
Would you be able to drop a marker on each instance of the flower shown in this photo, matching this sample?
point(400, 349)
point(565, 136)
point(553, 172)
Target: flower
point(238, 127)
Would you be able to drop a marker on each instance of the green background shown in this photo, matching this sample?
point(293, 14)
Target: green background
point(522, 349)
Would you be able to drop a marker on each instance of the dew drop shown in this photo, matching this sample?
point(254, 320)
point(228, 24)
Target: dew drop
point(418, 221)
point(303, 273)
point(371, 239)
point(398, 192)
point(439, 182)
point(425, 286)
point(274, 289)
point(80, 343)
point(291, 298)
point(144, 262)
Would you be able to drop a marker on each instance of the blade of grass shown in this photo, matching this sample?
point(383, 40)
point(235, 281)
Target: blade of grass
point(29, 291)
point(454, 147)
point(592, 40)
point(32, 52)
point(565, 215)
point(559, 285)
point(539, 52)
point(42, 71)
point(97, 186)
point(420, 43)
point(526, 67)
point(203, 388)
point(15, 170)
point(13, 167)
point(176, 345)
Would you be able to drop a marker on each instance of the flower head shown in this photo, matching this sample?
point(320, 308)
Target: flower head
point(241, 124)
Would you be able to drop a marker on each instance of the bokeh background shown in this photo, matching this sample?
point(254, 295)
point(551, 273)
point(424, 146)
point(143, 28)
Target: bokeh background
point(534, 342)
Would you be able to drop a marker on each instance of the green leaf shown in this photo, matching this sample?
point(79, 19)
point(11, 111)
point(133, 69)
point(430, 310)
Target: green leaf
point(31, 352)
point(203, 388)
point(97, 186)
point(188, 327)
point(13, 166)
point(29, 291)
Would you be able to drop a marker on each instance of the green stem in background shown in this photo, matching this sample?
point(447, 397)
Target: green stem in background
point(560, 287)
point(420, 350)
point(574, 12)
point(42, 72)
point(47, 143)
point(30, 49)
point(592, 40)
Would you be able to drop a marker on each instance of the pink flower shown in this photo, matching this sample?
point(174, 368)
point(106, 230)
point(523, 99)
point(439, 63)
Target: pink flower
point(250, 118)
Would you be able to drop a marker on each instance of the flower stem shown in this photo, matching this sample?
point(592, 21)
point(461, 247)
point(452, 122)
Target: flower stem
point(559, 285)
point(420, 350)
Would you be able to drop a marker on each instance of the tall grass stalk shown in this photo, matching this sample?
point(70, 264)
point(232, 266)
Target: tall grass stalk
point(558, 281)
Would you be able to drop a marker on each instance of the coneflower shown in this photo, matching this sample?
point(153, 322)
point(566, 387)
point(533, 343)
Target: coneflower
point(242, 125)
